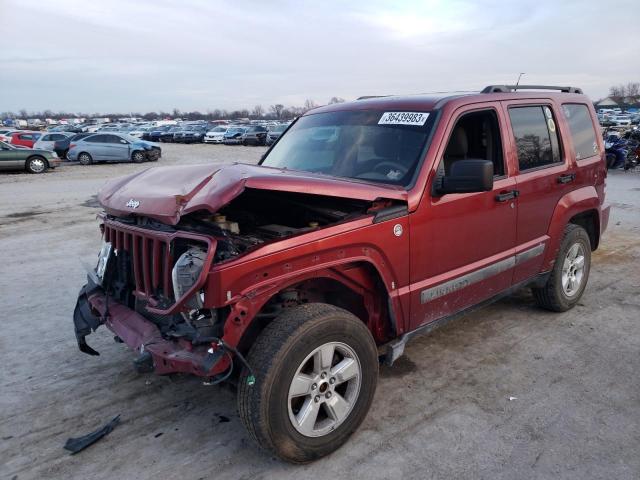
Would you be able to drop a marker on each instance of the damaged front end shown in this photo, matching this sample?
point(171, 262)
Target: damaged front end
point(151, 286)
point(147, 289)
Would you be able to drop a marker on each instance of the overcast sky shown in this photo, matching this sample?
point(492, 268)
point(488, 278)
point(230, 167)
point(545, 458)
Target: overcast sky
point(105, 56)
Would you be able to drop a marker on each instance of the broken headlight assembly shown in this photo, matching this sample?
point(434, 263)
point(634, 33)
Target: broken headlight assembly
point(186, 273)
point(103, 260)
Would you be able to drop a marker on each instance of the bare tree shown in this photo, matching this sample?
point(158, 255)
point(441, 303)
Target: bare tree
point(336, 100)
point(618, 91)
point(309, 104)
point(277, 110)
point(258, 111)
point(633, 89)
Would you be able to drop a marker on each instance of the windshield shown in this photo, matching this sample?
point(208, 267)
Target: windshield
point(370, 145)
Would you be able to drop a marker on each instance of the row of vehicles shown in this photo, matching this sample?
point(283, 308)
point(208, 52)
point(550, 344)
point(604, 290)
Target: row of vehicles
point(45, 150)
point(617, 118)
point(218, 134)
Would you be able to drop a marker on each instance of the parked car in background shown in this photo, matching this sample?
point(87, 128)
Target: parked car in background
point(33, 161)
point(48, 140)
point(66, 128)
point(620, 120)
point(191, 134)
point(234, 135)
point(154, 134)
point(275, 132)
point(112, 147)
point(138, 132)
point(4, 131)
point(115, 128)
point(216, 135)
point(167, 135)
point(24, 138)
point(61, 147)
point(255, 135)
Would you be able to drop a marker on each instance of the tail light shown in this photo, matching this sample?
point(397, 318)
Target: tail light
point(72, 145)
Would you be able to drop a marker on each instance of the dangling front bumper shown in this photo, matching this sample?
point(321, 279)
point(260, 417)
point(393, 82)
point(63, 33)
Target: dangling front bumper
point(94, 308)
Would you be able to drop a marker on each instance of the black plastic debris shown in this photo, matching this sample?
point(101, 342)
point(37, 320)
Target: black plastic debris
point(75, 445)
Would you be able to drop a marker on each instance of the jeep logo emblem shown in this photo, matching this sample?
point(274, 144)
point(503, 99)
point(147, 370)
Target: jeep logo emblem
point(133, 203)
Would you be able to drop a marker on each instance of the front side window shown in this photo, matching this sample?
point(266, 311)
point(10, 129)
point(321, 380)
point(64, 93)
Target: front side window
point(535, 135)
point(476, 135)
point(376, 146)
point(581, 128)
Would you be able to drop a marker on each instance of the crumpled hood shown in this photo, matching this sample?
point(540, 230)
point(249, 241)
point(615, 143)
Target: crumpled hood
point(167, 193)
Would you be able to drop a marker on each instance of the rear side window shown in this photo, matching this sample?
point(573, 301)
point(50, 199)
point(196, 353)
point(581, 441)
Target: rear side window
point(536, 136)
point(581, 127)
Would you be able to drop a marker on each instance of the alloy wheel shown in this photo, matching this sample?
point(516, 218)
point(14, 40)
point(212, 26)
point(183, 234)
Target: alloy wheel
point(324, 389)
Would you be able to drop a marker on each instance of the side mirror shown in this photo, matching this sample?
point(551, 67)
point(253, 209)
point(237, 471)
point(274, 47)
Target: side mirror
point(468, 176)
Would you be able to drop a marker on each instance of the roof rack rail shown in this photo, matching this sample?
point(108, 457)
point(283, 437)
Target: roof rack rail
point(513, 88)
point(366, 97)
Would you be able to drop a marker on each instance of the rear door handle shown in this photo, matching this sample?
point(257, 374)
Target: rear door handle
point(504, 196)
point(567, 178)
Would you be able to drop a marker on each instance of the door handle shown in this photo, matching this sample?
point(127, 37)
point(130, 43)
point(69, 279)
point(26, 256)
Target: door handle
point(504, 196)
point(567, 178)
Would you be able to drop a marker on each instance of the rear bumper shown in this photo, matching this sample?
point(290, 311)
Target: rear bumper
point(93, 309)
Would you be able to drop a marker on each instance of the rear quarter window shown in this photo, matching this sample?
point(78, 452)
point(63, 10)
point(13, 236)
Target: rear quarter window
point(581, 128)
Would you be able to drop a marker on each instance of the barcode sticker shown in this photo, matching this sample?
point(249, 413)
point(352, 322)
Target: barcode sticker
point(403, 118)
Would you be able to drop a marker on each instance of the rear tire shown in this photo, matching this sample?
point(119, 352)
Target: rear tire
point(37, 164)
point(333, 358)
point(85, 159)
point(570, 273)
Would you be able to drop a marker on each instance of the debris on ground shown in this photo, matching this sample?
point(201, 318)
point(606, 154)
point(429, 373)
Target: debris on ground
point(511, 399)
point(75, 445)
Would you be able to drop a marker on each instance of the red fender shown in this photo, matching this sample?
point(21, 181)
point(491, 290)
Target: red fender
point(575, 202)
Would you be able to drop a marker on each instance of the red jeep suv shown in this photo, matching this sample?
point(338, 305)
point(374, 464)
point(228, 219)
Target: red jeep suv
point(365, 224)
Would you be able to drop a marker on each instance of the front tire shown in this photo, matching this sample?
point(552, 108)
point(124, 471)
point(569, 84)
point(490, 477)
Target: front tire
point(316, 370)
point(137, 157)
point(37, 165)
point(570, 273)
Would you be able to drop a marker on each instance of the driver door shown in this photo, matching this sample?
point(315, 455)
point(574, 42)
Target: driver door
point(463, 244)
point(10, 159)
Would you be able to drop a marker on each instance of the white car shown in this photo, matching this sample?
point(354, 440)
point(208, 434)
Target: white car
point(216, 135)
point(621, 120)
point(137, 132)
point(47, 141)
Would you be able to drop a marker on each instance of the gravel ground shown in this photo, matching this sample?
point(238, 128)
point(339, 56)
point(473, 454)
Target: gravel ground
point(443, 411)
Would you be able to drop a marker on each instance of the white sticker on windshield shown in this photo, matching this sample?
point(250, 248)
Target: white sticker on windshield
point(403, 118)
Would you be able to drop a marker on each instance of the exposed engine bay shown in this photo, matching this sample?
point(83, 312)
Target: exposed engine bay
point(259, 216)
